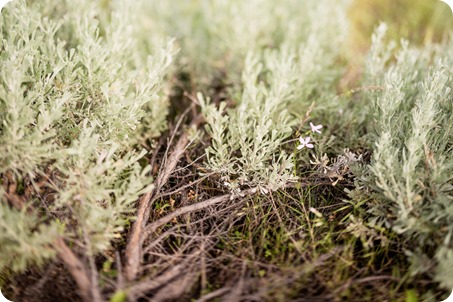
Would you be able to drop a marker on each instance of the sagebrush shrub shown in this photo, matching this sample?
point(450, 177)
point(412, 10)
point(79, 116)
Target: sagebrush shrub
point(216, 36)
point(83, 87)
point(292, 68)
point(75, 87)
point(412, 160)
point(246, 141)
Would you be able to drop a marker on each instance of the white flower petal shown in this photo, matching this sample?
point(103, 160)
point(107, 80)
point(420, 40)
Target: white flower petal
point(315, 128)
point(300, 147)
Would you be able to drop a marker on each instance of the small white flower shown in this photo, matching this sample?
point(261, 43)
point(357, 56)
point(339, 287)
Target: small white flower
point(304, 142)
point(315, 128)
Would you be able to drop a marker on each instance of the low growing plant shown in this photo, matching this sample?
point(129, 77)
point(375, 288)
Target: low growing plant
point(412, 146)
point(74, 90)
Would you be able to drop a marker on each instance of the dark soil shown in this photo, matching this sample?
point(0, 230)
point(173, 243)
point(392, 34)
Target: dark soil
point(51, 283)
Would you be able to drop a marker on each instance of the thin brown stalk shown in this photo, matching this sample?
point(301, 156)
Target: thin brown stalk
point(199, 206)
point(187, 209)
point(144, 286)
point(178, 124)
point(236, 292)
point(185, 186)
point(76, 268)
point(120, 277)
point(212, 295)
point(176, 288)
point(134, 246)
point(176, 271)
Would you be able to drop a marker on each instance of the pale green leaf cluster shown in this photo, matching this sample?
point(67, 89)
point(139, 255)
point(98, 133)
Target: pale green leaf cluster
point(215, 36)
point(101, 184)
point(83, 84)
point(279, 81)
point(78, 82)
point(412, 159)
point(20, 246)
point(246, 141)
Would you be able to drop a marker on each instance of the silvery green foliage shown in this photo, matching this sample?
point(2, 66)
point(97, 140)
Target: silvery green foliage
point(246, 141)
point(289, 65)
point(19, 246)
point(101, 184)
point(76, 81)
point(412, 152)
point(216, 35)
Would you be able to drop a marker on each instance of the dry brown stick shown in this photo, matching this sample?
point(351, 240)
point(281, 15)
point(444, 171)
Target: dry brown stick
point(156, 240)
point(172, 274)
point(172, 161)
point(201, 205)
point(120, 277)
point(95, 294)
point(187, 209)
point(178, 270)
point(144, 286)
point(219, 292)
point(375, 278)
point(175, 288)
point(203, 271)
point(185, 186)
point(76, 268)
point(236, 292)
point(134, 250)
point(169, 282)
point(134, 246)
point(178, 124)
point(161, 237)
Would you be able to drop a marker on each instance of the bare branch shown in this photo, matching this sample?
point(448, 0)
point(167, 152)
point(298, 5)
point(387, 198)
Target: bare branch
point(214, 294)
point(134, 246)
point(76, 268)
point(187, 209)
point(144, 286)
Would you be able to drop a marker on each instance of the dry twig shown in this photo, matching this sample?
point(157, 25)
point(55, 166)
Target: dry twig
point(134, 246)
point(78, 272)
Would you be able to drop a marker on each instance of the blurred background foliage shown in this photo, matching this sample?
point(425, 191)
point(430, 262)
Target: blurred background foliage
point(419, 21)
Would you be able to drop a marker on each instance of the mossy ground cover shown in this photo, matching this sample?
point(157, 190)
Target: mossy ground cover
point(226, 150)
